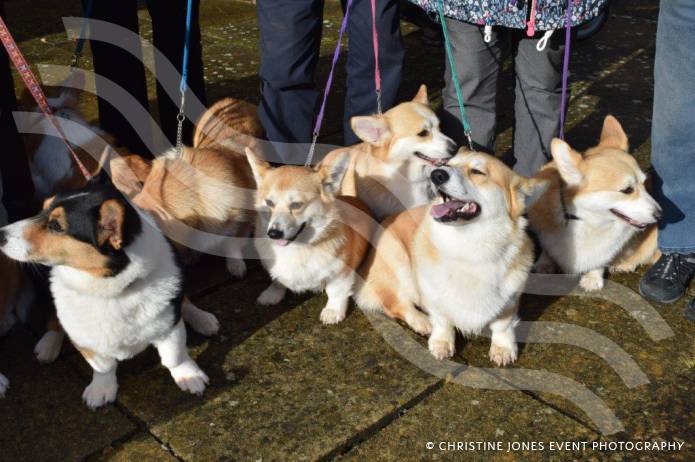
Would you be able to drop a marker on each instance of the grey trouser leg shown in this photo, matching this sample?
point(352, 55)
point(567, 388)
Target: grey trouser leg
point(538, 84)
point(477, 65)
point(538, 94)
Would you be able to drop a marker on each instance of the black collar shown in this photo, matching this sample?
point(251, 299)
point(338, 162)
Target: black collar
point(568, 216)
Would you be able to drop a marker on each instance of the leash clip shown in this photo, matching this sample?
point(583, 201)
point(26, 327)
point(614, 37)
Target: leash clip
point(312, 148)
point(378, 102)
point(180, 118)
point(467, 133)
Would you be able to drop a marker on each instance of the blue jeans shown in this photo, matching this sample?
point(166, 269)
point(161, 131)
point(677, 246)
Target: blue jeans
point(673, 125)
point(290, 36)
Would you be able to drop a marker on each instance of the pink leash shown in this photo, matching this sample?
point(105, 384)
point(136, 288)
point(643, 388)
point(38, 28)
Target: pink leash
point(377, 71)
point(565, 68)
point(34, 88)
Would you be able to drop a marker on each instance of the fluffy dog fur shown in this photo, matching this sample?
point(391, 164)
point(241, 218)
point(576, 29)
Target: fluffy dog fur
point(397, 147)
point(596, 212)
point(309, 239)
point(115, 282)
point(464, 258)
point(209, 189)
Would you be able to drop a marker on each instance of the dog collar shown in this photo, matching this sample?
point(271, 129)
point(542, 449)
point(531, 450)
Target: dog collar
point(568, 216)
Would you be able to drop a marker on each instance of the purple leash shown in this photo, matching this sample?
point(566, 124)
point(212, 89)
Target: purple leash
point(327, 89)
point(566, 68)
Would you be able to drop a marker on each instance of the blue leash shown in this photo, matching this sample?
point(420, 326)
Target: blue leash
point(81, 39)
point(183, 86)
point(454, 76)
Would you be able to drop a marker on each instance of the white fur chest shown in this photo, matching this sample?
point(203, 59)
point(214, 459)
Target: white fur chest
point(120, 316)
point(300, 267)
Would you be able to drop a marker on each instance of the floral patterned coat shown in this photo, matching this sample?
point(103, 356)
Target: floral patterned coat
point(550, 14)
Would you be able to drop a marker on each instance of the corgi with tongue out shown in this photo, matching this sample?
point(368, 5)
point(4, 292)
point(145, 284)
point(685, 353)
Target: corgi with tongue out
point(308, 238)
point(460, 262)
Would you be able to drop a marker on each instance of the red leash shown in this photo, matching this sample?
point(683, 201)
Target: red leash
point(20, 63)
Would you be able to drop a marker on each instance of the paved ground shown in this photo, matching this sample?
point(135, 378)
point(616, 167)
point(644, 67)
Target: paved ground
point(283, 387)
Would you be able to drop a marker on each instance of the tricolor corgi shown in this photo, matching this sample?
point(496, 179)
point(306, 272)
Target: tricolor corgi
point(463, 259)
point(597, 212)
point(397, 148)
point(308, 238)
point(115, 281)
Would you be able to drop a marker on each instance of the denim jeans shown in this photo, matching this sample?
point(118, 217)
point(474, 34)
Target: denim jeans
point(673, 125)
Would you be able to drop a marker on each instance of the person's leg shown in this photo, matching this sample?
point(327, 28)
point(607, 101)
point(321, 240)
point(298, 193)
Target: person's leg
point(360, 97)
point(290, 36)
point(538, 96)
point(673, 152)
point(18, 190)
point(477, 65)
point(124, 69)
point(168, 32)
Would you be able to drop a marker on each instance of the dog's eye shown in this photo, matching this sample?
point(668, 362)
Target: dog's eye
point(628, 190)
point(296, 205)
point(423, 133)
point(55, 227)
point(269, 203)
point(475, 171)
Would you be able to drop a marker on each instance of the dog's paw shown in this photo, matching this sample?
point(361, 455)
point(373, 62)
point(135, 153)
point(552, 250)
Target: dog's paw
point(99, 394)
point(190, 378)
point(622, 268)
point(591, 281)
point(331, 315)
point(4, 385)
point(48, 347)
point(204, 323)
point(419, 322)
point(236, 267)
point(502, 355)
point(271, 296)
point(441, 349)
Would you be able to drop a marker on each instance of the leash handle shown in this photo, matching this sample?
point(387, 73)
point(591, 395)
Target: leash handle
point(183, 86)
point(565, 68)
point(377, 70)
point(20, 63)
point(454, 76)
point(329, 83)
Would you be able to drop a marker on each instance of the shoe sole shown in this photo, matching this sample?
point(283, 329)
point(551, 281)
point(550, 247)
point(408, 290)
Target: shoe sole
point(653, 299)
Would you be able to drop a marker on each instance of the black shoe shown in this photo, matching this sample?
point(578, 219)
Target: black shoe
point(667, 280)
point(689, 311)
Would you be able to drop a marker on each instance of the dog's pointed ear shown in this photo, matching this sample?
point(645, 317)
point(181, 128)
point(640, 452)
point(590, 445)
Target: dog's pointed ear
point(421, 95)
point(567, 161)
point(371, 129)
point(259, 167)
point(613, 135)
point(332, 174)
point(111, 222)
point(525, 192)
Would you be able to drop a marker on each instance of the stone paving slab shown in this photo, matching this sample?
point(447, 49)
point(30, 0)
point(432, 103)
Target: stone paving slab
point(42, 417)
point(140, 448)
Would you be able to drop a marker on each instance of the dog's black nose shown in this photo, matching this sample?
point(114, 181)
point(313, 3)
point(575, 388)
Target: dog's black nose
point(3, 238)
point(439, 176)
point(275, 233)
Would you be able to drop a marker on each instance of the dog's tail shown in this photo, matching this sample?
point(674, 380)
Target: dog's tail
point(228, 120)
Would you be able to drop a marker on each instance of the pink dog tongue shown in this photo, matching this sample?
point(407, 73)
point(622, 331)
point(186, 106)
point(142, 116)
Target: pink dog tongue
point(440, 210)
point(281, 242)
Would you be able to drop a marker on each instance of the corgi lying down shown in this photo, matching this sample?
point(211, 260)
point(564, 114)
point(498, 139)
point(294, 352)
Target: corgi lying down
point(309, 239)
point(389, 166)
point(597, 212)
point(115, 282)
point(463, 259)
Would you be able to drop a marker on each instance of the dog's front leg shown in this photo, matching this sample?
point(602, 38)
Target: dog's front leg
point(442, 341)
point(174, 354)
point(272, 295)
point(104, 386)
point(503, 348)
point(200, 321)
point(338, 291)
point(592, 280)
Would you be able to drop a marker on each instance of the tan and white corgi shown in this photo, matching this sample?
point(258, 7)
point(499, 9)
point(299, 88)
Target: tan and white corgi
point(206, 194)
point(309, 239)
point(596, 212)
point(464, 258)
point(397, 147)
